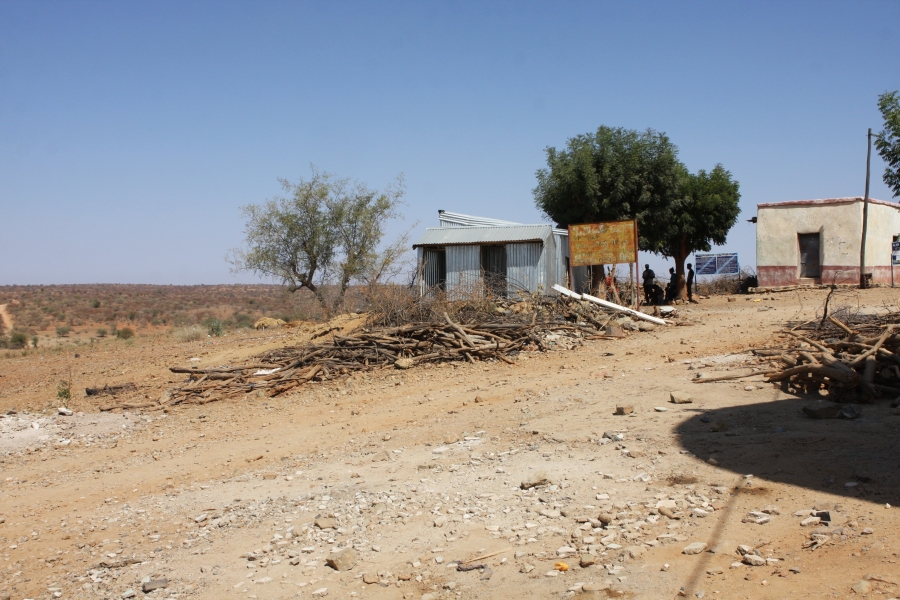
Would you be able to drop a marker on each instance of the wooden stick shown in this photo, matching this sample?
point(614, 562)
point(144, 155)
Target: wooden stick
point(841, 325)
point(810, 342)
point(730, 377)
point(874, 349)
point(483, 556)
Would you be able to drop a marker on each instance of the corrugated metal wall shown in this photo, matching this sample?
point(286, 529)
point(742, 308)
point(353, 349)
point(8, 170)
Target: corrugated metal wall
point(526, 266)
point(562, 275)
point(463, 271)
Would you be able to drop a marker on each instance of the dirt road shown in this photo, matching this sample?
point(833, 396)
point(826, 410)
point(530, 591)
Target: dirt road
point(417, 470)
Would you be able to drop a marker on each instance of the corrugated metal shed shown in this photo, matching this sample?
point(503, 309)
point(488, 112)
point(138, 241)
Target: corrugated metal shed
point(457, 236)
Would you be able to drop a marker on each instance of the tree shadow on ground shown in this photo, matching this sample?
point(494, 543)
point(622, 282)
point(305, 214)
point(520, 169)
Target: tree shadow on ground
point(775, 441)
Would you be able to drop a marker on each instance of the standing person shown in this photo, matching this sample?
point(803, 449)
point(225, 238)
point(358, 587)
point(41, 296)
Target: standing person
point(690, 283)
point(649, 276)
point(670, 288)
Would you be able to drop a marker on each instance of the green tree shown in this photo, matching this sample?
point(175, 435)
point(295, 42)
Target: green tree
point(610, 175)
point(325, 230)
point(887, 143)
point(617, 173)
point(702, 214)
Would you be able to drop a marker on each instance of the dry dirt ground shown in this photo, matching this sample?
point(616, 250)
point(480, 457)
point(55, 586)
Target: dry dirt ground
point(418, 470)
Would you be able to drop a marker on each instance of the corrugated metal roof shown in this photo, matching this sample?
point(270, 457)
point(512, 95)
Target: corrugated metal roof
point(452, 219)
point(456, 236)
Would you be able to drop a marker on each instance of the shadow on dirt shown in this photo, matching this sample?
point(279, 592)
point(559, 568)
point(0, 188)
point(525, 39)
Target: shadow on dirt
point(777, 442)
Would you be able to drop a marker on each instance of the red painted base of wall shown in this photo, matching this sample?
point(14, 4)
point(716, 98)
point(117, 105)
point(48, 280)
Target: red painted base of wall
point(779, 276)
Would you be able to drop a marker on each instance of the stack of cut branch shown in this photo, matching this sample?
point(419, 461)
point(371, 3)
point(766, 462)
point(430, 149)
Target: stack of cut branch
point(278, 371)
point(850, 364)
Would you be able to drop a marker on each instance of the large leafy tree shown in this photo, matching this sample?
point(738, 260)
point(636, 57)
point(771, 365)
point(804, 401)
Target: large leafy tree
point(618, 173)
point(609, 175)
point(705, 209)
point(888, 141)
point(324, 230)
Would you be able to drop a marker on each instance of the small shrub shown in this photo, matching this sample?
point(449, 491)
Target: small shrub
point(101, 332)
point(17, 340)
point(126, 333)
point(64, 390)
point(34, 341)
point(215, 327)
point(95, 304)
point(243, 320)
point(63, 331)
point(192, 333)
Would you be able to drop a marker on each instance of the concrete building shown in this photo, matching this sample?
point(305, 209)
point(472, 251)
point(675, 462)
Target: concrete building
point(818, 241)
point(471, 255)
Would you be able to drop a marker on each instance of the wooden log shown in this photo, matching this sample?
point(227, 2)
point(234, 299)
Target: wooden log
point(840, 325)
point(835, 374)
point(731, 377)
point(875, 348)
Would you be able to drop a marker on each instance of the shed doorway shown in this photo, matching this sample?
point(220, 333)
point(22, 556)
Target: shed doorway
point(435, 269)
point(493, 269)
point(810, 265)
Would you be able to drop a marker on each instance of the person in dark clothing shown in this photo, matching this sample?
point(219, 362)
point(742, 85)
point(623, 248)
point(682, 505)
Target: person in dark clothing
point(670, 288)
point(657, 295)
point(690, 283)
point(649, 276)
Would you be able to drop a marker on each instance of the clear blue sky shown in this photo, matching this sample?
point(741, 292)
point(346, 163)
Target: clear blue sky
point(131, 132)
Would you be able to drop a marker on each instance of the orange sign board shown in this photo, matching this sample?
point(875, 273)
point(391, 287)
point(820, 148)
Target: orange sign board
point(612, 242)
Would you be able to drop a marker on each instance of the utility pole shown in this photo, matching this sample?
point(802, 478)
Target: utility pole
point(865, 223)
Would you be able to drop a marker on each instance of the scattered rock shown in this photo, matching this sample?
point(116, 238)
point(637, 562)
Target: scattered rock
point(343, 560)
point(615, 331)
point(154, 584)
point(534, 480)
point(861, 587)
point(66, 412)
point(680, 398)
point(326, 523)
point(754, 560)
point(624, 409)
point(586, 560)
point(370, 578)
point(404, 363)
point(694, 548)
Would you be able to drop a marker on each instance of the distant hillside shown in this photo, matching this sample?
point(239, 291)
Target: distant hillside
point(44, 307)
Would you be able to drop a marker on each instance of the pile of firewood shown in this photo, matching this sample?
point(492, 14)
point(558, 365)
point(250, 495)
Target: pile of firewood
point(334, 356)
point(847, 363)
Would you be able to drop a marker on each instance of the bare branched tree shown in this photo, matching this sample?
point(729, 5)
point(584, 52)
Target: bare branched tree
point(324, 230)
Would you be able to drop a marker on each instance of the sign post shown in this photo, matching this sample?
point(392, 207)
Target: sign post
point(718, 264)
point(607, 243)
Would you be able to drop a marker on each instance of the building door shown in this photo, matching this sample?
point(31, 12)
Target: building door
point(809, 255)
point(493, 269)
point(435, 269)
